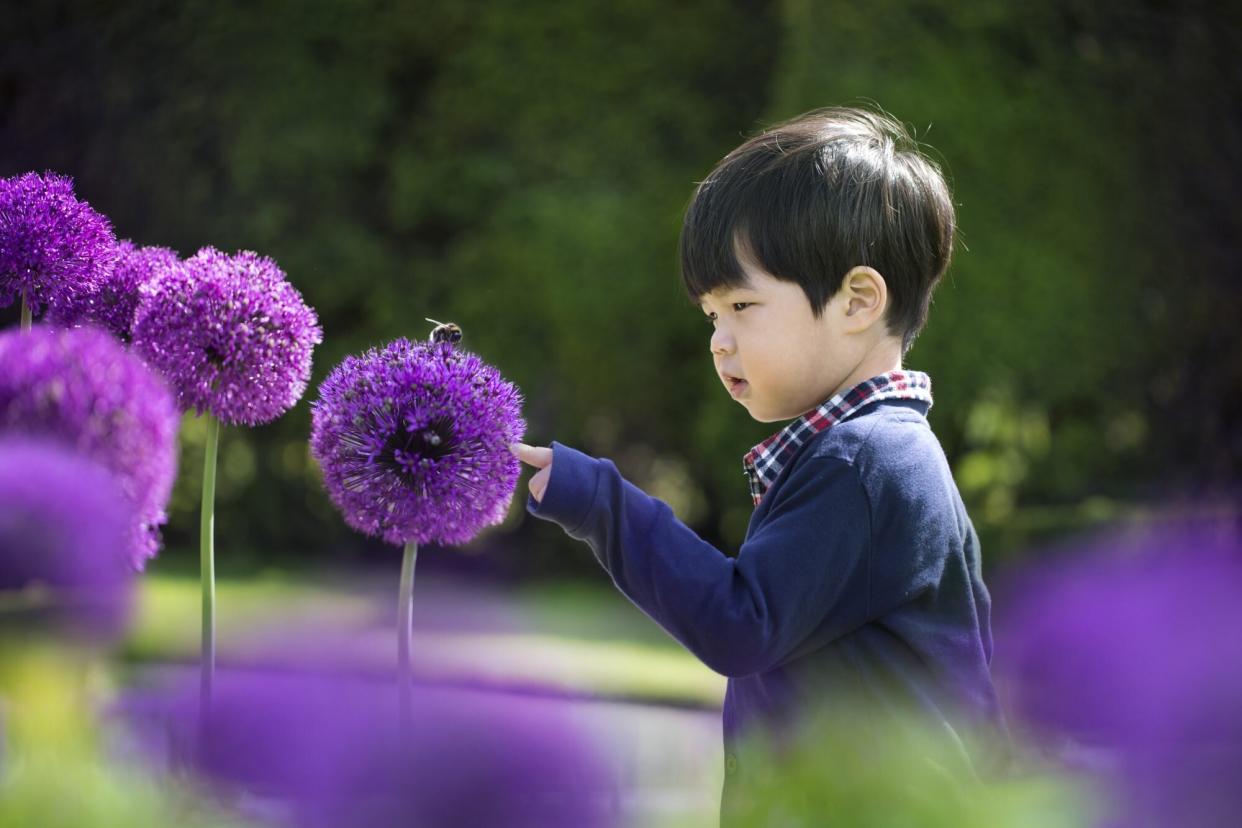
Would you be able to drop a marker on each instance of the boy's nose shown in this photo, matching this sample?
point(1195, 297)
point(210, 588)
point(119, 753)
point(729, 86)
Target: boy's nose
point(721, 342)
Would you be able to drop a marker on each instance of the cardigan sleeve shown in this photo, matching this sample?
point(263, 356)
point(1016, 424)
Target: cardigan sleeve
point(799, 581)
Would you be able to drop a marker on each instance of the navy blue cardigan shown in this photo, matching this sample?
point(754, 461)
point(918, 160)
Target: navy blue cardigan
point(859, 574)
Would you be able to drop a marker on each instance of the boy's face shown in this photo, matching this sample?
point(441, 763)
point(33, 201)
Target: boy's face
point(772, 354)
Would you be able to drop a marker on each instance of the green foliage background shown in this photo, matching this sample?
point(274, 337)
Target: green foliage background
point(521, 168)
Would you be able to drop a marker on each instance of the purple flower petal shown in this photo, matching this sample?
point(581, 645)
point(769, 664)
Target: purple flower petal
point(325, 750)
point(53, 248)
point(413, 442)
point(114, 301)
point(1130, 648)
point(85, 390)
point(64, 541)
point(231, 334)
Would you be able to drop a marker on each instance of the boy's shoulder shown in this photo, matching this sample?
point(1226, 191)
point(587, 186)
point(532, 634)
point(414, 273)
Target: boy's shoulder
point(891, 451)
point(887, 454)
point(887, 431)
point(895, 461)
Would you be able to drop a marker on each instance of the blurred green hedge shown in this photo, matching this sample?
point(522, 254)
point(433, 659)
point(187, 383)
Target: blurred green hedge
point(521, 169)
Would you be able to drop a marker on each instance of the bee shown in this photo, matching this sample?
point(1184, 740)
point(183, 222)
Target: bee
point(445, 332)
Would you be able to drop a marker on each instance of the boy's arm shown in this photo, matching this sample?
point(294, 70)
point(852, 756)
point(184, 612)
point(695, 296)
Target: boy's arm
point(797, 583)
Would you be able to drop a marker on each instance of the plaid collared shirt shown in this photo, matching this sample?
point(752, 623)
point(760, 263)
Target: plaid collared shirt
point(764, 462)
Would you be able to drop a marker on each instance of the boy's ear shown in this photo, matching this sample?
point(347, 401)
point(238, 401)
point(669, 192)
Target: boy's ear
point(866, 296)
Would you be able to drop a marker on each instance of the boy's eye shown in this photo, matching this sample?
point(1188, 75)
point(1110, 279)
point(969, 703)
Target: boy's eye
point(738, 307)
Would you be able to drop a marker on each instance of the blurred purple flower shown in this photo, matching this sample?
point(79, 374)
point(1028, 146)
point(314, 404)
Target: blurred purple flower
point(84, 389)
point(1131, 649)
point(64, 542)
point(114, 301)
point(53, 247)
point(413, 441)
point(325, 751)
point(232, 336)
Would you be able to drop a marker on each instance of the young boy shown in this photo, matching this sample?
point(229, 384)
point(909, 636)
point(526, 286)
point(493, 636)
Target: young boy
point(813, 248)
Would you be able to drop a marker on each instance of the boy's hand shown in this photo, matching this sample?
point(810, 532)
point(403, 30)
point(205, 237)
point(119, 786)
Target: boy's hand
point(541, 458)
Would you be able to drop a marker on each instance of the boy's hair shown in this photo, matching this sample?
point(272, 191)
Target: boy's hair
point(813, 197)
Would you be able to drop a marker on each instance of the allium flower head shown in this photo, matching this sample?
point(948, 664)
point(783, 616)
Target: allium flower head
point(64, 541)
point(53, 247)
point(230, 333)
point(114, 301)
point(85, 390)
point(413, 441)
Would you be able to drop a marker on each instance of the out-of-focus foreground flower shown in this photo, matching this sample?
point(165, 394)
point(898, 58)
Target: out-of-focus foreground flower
point(323, 750)
point(64, 543)
point(413, 442)
point(113, 302)
point(1127, 658)
point(231, 334)
point(84, 390)
point(53, 247)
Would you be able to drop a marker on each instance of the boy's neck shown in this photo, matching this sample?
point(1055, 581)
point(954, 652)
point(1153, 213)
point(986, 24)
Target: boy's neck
point(883, 358)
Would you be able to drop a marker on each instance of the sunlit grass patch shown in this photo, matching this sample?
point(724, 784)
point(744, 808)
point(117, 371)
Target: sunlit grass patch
point(562, 637)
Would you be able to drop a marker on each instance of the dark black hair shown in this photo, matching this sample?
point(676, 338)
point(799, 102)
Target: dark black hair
point(813, 197)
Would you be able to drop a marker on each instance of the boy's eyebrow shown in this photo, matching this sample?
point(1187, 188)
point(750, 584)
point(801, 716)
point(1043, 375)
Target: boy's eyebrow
point(726, 289)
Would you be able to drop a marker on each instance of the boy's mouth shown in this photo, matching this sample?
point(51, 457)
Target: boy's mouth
point(736, 385)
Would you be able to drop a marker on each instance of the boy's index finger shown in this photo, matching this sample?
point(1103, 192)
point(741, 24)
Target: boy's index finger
point(537, 456)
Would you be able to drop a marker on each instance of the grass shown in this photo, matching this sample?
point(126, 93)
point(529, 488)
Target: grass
point(574, 638)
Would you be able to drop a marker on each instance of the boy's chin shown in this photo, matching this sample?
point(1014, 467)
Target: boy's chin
point(770, 414)
point(761, 415)
point(773, 419)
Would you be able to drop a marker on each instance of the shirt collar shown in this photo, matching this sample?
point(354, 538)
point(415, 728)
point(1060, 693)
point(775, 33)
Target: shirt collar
point(764, 462)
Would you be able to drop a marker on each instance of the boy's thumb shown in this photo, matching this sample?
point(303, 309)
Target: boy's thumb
point(537, 456)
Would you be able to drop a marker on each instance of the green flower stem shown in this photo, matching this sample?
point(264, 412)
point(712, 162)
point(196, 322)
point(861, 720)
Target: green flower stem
point(207, 576)
point(26, 314)
point(405, 620)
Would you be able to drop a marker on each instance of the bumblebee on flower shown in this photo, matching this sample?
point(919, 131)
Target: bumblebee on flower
point(813, 250)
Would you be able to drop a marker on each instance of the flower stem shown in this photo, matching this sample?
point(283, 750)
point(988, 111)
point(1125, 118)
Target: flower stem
point(207, 576)
point(26, 314)
point(405, 620)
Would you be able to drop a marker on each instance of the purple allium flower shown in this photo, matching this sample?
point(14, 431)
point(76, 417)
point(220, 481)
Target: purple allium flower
point(413, 442)
point(323, 750)
point(85, 390)
point(230, 333)
point(64, 541)
point(113, 303)
point(1130, 649)
point(53, 247)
